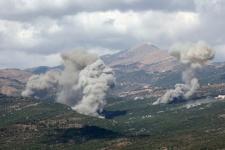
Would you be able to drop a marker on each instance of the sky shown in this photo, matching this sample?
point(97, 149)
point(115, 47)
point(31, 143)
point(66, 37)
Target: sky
point(35, 32)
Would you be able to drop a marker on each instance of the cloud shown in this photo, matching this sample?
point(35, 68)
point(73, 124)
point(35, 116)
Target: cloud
point(211, 14)
point(109, 30)
point(38, 27)
point(18, 59)
point(220, 52)
point(28, 9)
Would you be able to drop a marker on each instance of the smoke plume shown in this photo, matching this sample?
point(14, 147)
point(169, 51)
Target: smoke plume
point(193, 57)
point(69, 92)
point(94, 81)
point(82, 84)
point(42, 84)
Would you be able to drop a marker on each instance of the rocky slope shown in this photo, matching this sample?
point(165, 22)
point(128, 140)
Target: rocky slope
point(12, 81)
point(143, 57)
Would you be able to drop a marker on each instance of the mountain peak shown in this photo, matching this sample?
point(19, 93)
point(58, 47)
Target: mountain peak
point(145, 46)
point(145, 56)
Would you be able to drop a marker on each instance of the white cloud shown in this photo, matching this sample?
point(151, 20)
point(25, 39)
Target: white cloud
point(220, 52)
point(27, 9)
point(18, 59)
point(43, 27)
point(107, 30)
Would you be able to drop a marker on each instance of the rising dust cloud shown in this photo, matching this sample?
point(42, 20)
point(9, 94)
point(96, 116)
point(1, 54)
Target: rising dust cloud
point(82, 84)
point(193, 57)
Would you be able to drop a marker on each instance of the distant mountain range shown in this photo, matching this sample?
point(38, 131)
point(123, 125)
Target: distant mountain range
point(141, 67)
point(145, 57)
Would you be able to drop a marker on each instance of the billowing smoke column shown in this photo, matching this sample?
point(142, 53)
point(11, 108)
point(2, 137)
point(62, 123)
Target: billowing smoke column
point(82, 84)
point(74, 62)
point(94, 81)
point(193, 56)
point(43, 83)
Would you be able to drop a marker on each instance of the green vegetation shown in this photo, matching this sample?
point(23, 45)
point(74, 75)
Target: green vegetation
point(31, 124)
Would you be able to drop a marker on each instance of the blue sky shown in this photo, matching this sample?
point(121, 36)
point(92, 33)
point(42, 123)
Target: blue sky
point(35, 32)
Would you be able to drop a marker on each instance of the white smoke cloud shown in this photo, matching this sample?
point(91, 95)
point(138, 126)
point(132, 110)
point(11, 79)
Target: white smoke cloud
point(82, 84)
point(95, 80)
point(42, 83)
point(73, 62)
point(193, 57)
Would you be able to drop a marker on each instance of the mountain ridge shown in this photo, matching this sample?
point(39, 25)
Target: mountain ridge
point(143, 65)
point(144, 57)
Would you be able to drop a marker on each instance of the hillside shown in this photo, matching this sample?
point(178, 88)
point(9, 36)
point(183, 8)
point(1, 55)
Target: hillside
point(131, 121)
point(143, 57)
point(129, 125)
point(12, 81)
point(129, 76)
